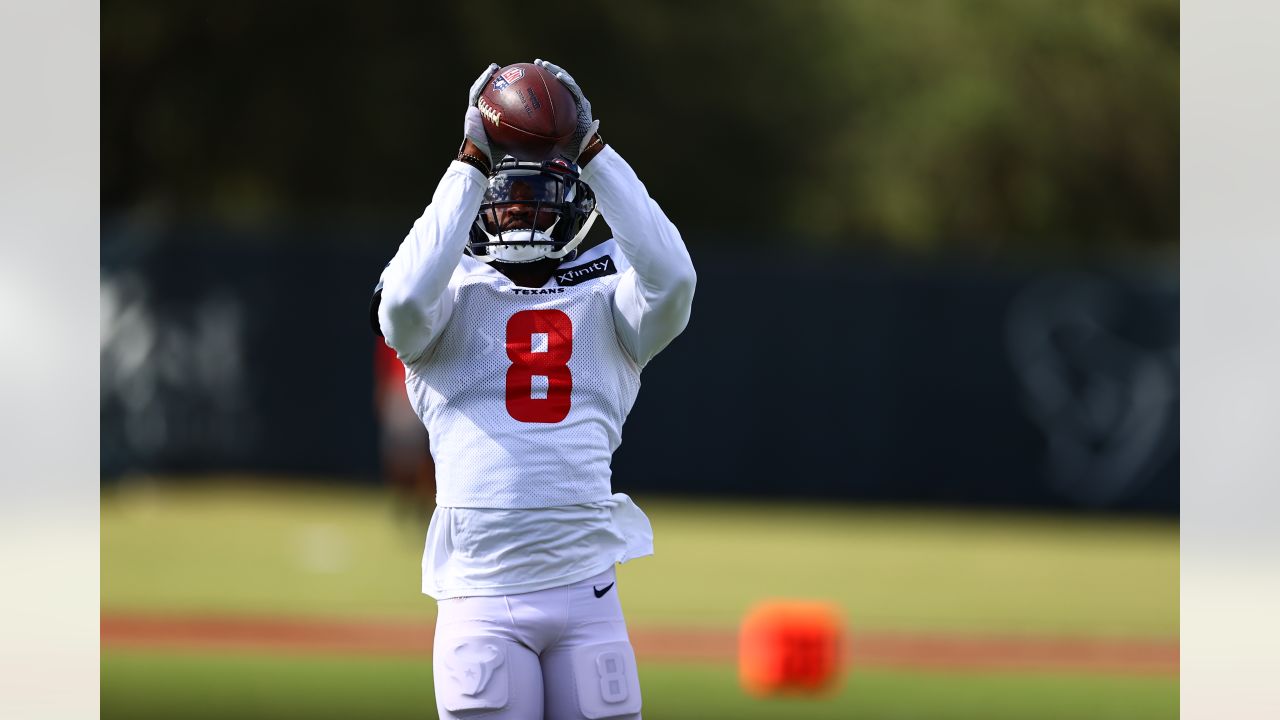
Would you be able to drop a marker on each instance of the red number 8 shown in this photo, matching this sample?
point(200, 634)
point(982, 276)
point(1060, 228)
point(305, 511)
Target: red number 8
point(551, 363)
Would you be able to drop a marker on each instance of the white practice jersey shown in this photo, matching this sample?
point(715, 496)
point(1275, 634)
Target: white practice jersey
point(524, 391)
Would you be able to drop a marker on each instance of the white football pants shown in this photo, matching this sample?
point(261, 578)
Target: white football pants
point(559, 654)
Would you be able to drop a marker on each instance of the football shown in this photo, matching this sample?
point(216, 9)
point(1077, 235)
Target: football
point(527, 112)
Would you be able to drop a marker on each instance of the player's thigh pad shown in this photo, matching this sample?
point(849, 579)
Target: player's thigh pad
point(607, 682)
point(473, 673)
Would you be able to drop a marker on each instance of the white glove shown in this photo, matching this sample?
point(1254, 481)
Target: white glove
point(473, 123)
point(587, 127)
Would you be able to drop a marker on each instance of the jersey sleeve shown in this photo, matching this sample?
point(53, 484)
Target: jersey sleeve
point(416, 302)
point(654, 295)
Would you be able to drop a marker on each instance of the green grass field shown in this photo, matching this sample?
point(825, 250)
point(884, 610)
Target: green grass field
point(290, 550)
point(156, 686)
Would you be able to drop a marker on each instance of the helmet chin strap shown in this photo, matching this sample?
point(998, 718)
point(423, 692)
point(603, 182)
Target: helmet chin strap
point(521, 251)
point(572, 245)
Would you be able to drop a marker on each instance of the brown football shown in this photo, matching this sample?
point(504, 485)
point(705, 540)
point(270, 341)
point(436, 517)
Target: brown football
point(527, 112)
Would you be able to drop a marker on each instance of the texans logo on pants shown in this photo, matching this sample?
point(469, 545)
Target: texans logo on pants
point(472, 663)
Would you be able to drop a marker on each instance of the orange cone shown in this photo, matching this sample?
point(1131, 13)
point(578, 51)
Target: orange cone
point(790, 647)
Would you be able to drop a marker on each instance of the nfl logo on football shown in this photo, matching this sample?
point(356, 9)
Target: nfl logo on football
point(501, 82)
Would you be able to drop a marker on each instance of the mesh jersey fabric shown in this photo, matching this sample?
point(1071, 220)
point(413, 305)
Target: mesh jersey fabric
point(485, 551)
point(488, 389)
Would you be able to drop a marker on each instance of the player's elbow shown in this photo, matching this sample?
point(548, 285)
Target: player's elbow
point(400, 318)
point(396, 307)
point(683, 278)
point(683, 282)
point(679, 299)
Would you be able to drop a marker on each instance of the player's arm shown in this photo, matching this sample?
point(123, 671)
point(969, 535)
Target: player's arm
point(415, 302)
point(655, 295)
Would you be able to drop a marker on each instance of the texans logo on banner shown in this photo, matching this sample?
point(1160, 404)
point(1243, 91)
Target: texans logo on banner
point(506, 78)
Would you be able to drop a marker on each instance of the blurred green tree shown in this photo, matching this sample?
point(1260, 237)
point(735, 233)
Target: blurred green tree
point(978, 126)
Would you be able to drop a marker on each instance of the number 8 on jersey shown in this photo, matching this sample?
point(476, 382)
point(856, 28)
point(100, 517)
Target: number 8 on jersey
point(539, 345)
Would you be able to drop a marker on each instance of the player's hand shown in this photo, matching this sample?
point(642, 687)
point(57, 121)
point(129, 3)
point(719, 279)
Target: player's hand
point(587, 126)
point(473, 123)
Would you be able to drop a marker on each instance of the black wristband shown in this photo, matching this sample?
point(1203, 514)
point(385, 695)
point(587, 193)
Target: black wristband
point(474, 162)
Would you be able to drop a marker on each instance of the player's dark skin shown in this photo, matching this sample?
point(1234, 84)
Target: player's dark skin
point(533, 274)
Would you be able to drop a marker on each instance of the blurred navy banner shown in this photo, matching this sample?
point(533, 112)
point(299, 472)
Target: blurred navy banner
point(800, 375)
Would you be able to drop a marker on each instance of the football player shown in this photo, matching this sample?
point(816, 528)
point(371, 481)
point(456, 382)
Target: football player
point(523, 358)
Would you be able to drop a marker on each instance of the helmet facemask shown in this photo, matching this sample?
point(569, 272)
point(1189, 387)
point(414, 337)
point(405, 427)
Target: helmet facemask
point(532, 211)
